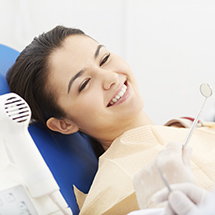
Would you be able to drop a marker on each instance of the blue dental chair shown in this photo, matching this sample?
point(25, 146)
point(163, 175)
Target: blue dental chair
point(70, 158)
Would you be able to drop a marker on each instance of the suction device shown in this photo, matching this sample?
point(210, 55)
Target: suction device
point(15, 115)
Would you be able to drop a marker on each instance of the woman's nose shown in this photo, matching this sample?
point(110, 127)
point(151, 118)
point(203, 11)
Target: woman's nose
point(109, 78)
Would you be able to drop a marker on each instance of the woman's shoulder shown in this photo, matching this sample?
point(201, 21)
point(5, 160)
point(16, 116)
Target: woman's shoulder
point(186, 122)
point(182, 122)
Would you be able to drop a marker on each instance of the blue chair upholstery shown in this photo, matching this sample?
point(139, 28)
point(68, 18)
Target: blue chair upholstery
point(70, 158)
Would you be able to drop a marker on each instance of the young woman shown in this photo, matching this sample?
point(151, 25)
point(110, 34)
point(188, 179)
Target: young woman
point(71, 83)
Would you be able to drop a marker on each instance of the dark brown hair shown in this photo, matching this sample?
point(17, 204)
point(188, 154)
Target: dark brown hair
point(28, 76)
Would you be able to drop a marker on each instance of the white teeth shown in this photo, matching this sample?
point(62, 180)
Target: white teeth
point(124, 89)
point(114, 100)
point(119, 95)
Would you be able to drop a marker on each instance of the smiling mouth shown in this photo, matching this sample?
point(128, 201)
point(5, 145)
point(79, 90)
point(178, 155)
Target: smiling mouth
point(118, 96)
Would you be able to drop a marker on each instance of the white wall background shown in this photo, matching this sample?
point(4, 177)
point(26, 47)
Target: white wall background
point(170, 44)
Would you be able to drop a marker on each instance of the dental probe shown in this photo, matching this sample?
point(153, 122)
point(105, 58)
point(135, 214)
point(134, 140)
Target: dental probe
point(206, 91)
point(164, 178)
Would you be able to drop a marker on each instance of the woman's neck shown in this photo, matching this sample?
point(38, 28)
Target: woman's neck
point(141, 120)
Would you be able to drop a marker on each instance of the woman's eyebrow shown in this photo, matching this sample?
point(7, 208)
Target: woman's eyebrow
point(97, 50)
point(73, 79)
point(82, 71)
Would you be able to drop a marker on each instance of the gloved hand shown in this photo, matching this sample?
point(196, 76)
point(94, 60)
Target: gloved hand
point(186, 199)
point(174, 163)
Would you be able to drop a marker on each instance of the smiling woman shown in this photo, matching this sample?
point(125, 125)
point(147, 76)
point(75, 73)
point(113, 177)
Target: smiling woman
point(97, 78)
point(72, 83)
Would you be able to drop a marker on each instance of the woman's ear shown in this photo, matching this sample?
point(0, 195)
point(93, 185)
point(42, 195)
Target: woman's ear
point(62, 126)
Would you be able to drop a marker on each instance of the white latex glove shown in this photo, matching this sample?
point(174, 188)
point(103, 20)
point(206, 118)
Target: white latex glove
point(186, 199)
point(174, 162)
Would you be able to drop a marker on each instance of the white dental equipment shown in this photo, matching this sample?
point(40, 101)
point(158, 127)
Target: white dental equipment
point(25, 180)
point(206, 91)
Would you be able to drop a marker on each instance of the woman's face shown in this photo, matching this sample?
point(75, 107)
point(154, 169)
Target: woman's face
point(96, 88)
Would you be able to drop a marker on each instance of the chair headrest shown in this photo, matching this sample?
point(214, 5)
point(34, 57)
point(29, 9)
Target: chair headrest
point(7, 58)
point(4, 88)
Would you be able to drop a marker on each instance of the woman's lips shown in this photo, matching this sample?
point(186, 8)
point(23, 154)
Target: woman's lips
point(120, 97)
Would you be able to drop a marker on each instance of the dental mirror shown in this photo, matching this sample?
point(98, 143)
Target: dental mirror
point(206, 91)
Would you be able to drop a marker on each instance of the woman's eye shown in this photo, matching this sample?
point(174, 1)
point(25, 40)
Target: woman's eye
point(83, 85)
point(104, 59)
